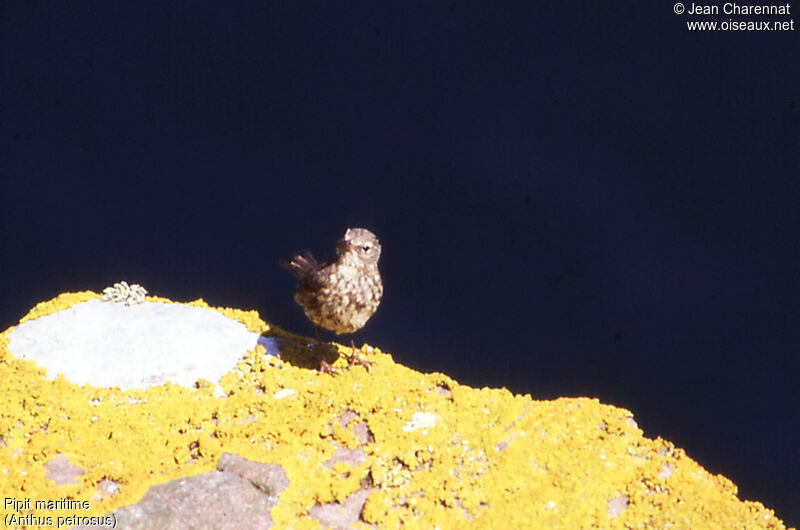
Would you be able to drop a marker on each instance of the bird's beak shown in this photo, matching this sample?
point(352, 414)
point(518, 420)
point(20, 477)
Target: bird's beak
point(343, 246)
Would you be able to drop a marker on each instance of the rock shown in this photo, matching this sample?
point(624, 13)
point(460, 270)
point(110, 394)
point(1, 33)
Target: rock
point(60, 471)
point(240, 495)
point(341, 515)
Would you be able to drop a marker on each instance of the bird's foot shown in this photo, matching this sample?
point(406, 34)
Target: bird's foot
point(325, 368)
point(356, 359)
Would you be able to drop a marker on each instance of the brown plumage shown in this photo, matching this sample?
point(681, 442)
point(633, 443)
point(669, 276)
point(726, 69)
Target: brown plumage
point(343, 294)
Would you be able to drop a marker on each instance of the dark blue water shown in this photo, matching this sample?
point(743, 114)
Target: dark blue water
point(573, 200)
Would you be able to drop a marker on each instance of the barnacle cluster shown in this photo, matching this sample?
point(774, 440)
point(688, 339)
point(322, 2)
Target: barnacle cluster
point(121, 292)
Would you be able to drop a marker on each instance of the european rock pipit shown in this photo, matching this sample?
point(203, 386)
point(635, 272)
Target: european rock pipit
point(343, 294)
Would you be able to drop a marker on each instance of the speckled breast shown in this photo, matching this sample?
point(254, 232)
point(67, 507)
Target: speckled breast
point(346, 303)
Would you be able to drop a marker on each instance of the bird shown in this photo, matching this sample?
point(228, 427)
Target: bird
point(340, 295)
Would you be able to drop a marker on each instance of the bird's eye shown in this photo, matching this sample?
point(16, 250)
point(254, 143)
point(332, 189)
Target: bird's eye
point(365, 248)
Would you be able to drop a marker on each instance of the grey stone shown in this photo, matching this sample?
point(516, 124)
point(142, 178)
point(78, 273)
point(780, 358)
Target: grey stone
point(60, 471)
point(269, 478)
point(239, 495)
point(344, 514)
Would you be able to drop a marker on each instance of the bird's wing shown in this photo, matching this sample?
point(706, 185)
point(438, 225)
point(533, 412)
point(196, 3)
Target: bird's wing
point(316, 279)
point(300, 264)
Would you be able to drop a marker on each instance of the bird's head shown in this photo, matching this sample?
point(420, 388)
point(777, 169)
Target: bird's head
point(360, 243)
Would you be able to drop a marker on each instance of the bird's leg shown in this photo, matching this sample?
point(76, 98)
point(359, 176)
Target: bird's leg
point(355, 358)
point(324, 367)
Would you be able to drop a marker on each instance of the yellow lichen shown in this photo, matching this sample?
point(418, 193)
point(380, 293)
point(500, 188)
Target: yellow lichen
point(486, 457)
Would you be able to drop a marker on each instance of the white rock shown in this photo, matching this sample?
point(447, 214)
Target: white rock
point(133, 346)
point(421, 420)
point(286, 392)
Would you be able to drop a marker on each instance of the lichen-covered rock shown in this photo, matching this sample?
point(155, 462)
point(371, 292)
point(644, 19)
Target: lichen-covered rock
point(388, 448)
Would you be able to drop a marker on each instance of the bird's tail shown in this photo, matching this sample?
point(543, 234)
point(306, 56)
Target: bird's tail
point(300, 264)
